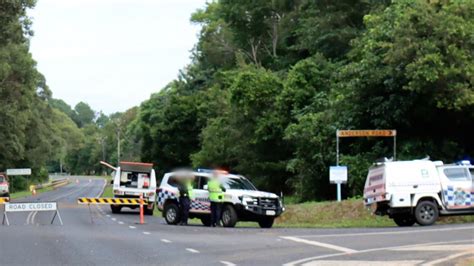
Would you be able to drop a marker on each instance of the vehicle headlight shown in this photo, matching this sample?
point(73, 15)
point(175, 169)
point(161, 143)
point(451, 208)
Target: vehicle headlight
point(248, 200)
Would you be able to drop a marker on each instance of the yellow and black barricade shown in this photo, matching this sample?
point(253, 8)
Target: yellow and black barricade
point(114, 201)
point(4, 200)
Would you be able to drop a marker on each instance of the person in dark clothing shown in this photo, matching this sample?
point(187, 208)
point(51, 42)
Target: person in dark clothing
point(185, 196)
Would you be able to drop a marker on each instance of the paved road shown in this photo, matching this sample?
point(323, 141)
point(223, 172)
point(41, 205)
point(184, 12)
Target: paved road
point(117, 239)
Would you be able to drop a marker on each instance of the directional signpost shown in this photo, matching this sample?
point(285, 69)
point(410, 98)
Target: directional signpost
point(31, 207)
point(19, 171)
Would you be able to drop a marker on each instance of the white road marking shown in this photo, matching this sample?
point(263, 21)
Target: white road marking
point(102, 189)
point(228, 263)
point(120, 222)
point(296, 262)
point(363, 263)
point(108, 215)
point(434, 262)
point(114, 219)
point(165, 240)
point(437, 248)
point(28, 217)
point(146, 233)
point(391, 232)
point(192, 250)
point(319, 244)
point(131, 227)
point(33, 217)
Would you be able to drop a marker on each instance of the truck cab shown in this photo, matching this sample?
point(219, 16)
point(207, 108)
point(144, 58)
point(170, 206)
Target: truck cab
point(419, 191)
point(4, 186)
point(242, 201)
point(130, 179)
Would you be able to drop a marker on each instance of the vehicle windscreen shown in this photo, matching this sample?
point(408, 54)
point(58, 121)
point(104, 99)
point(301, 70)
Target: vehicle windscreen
point(2, 179)
point(237, 183)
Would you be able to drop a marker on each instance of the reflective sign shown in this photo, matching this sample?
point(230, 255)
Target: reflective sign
point(338, 174)
point(32, 206)
point(19, 171)
point(366, 133)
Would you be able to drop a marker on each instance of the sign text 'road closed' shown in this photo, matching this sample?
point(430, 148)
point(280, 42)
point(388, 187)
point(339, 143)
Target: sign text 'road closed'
point(33, 206)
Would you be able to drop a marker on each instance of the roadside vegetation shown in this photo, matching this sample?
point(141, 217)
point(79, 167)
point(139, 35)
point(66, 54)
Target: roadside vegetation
point(268, 85)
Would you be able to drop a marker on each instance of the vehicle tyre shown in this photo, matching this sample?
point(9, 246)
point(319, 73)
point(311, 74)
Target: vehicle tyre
point(404, 220)
point(229, 216)
point(426, 213)
point(7, 195)
point(148, 211)
point(206, 221)
point(171, 213)
point(115, 208)
point(266, 222)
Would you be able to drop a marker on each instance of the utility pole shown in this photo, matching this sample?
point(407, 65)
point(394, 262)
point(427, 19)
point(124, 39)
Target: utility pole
point(118, 124)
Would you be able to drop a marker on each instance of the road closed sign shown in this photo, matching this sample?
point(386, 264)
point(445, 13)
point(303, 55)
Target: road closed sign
point(338, 174)
point(31, 206)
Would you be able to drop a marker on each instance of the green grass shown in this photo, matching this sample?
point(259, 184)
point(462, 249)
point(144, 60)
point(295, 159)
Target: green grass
point(347, 213)
point(26, 193)
point(108, 192)
point(331, 214)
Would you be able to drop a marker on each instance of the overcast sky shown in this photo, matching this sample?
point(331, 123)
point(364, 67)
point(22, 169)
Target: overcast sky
point(112, 54)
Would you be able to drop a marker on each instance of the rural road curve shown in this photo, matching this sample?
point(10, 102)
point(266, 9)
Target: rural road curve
point(117, 239)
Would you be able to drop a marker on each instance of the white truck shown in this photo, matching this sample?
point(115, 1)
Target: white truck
point(4, 190)
point(242, 201)
point(130, 179)
point(419, 190)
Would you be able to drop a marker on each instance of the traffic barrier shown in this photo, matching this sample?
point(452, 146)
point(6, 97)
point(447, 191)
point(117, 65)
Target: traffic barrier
point(59, 182)
point(114, 201)
point(4, 200)
point(31, 207)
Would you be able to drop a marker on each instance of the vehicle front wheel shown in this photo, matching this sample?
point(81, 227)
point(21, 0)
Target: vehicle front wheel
point(426, 213)
point(115, 209)
point(229, 216)
point(404, 220)
point(266, 222)
point(171, 213)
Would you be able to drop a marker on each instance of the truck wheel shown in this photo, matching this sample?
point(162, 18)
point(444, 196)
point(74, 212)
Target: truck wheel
point(206, 221)
point(229, 216)
point(171, 213)
point(426, 213)
point(148, 211)
point(266, 222)
point(404, 220)
point(115, 209)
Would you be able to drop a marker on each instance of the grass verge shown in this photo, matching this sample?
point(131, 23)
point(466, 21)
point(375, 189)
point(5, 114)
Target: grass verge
point(347, 213)
point(26, 193)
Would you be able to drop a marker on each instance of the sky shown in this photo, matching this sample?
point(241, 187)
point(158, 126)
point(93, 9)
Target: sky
point(112, 54)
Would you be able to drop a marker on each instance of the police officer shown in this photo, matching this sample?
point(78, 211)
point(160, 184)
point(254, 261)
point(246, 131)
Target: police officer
point(216, 196)
point(186, 194)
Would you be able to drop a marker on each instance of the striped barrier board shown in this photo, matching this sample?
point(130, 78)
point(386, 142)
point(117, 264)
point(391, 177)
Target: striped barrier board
point(4, 200)
point(115, 201)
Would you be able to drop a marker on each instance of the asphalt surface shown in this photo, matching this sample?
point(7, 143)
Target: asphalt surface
point(98, 237)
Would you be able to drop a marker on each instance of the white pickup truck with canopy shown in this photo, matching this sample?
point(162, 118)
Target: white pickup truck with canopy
point(420, 190)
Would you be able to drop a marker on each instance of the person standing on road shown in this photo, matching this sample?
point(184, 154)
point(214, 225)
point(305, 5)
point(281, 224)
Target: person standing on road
point(216, 196)
point(186, 194)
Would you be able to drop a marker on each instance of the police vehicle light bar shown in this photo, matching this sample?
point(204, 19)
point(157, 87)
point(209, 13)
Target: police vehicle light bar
point(464, 162)
point(210, 171)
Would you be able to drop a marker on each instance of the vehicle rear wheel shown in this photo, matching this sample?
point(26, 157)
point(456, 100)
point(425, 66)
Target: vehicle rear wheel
point(266, 222)
point(148, 211)
point(229, 216)
point(206, 221)
point(171, 213)
point(404, 220)
point(426, 213)
point(115, 209)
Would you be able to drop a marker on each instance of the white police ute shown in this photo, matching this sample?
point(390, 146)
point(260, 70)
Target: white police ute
point(242, 201)
point(419, 191)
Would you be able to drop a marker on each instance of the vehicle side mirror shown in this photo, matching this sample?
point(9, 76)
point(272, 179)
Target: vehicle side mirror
point(205, 187)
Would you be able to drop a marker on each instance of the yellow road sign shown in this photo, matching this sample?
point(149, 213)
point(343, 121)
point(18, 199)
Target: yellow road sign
point(4, 200)
point(114, 201)
point(367, 133)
